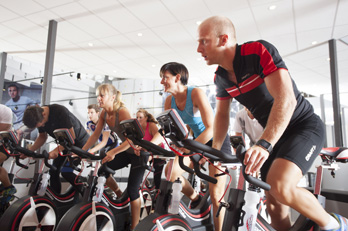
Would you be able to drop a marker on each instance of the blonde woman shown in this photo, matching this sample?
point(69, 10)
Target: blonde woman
point(114, 111)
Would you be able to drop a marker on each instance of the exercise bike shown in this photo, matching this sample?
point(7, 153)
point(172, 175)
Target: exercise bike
point(35, 211)
point(98, 210)
point(199, 218)
point(236, 200)
point(14, 161)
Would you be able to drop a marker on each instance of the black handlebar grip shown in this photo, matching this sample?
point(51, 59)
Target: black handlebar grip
point(46, 156)
point(20, 164)
point(183, 166)
point(202, 175)
point(259, 183)
point(195, 159)
point(27, 152)
point(84, 154)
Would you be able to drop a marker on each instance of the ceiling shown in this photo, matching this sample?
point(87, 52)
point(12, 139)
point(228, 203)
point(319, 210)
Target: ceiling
point(97, 38)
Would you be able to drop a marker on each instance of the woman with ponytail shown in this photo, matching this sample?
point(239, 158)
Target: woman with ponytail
point(148, 123)
point(114, 111)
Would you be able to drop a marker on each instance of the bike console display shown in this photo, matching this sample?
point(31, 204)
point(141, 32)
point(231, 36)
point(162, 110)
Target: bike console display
point(9, 137)
point(63, 136)
point(172, 124)
point(132, 128)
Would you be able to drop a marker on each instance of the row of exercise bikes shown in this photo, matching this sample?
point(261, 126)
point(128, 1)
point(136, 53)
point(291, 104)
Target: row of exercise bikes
point(96, 207)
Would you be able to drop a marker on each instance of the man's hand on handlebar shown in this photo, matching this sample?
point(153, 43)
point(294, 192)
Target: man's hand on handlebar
point(254, 158)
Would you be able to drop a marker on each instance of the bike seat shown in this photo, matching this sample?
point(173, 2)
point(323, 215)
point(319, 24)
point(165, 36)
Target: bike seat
point(336, 153)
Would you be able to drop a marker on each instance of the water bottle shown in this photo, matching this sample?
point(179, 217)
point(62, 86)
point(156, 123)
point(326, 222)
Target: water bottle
point(99, 189)
point(43, 184)
point(251, 199)
point(176, 197)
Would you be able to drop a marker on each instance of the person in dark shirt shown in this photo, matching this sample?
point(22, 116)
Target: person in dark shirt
point(256, 76)
point(47, 119)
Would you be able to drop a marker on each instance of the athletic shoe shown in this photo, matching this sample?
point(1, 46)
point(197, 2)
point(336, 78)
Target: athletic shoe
point(195, 203)
point(7, 194)
point(342, 221)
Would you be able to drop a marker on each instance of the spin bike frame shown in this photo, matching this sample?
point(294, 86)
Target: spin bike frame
point(90, 215)
point(34, 210)
point(187, 219)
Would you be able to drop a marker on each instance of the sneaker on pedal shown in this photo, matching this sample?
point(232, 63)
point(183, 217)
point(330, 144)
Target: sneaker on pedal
point(7, 194)
point(342, 221)
point(195, 203)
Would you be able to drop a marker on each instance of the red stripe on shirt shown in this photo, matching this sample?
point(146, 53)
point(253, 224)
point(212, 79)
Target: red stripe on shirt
point(245, 86)
point(266, 59)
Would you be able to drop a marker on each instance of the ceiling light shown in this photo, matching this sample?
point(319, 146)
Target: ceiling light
point(140, 34)
point(41, 81)
point(114, 71)
point(78, 77)
point(90, 44)
point(314, 42)
point(273, 7)
point(153, 65)
point(198, 22)
point(328, 59)
point(199, 59)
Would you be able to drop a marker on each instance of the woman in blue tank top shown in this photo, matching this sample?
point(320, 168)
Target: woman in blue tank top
point(193, 106)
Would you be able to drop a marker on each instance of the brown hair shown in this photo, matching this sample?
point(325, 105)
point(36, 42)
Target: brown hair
point(107, 88)
point(95, 107)
point(149, 116)
point(32, 116)
point(174, 69)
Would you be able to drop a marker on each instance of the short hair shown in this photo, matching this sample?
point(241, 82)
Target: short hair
point(12, 85)
point(95, 107)
point(220, 25)
point(174, 69)
point(32, 116)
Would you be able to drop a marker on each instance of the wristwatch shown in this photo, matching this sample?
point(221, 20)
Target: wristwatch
point(265, 145)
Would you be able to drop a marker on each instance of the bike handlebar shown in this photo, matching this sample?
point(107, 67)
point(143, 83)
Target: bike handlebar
point(240, 152)
point(85, 154)
point(44, 155)
point(217, 155)
point(151, 147)
point(184, 167)
point(20, 164)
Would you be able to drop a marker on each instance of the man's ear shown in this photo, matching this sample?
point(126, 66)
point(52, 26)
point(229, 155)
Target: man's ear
point(223, 39)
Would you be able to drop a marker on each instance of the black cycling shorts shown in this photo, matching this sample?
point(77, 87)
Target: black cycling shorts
point(300, 144)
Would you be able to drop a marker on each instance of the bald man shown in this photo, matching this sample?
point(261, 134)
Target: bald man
point(256, 76)
point(5, 125)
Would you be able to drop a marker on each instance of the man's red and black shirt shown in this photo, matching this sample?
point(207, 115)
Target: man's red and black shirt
point(253, 62)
